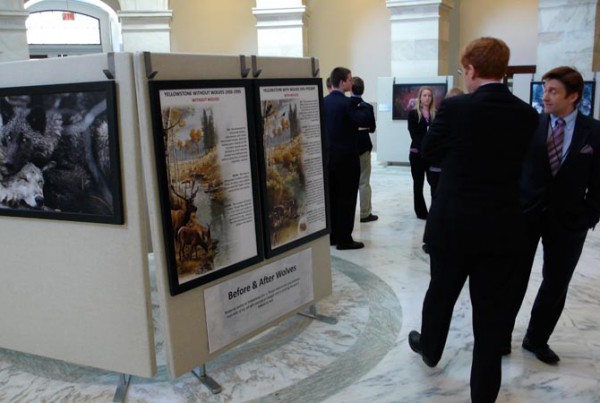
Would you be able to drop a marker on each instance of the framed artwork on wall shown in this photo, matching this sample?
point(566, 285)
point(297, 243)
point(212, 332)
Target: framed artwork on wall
point(208, 183)
point(290, 153)
point(404, 98)
point(586, 104)
point(59, 153)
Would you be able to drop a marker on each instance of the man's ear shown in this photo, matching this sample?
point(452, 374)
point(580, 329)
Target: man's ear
point(472, 70)
point(574, 98)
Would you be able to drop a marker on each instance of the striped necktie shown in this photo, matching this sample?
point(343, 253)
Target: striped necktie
point(555, 145)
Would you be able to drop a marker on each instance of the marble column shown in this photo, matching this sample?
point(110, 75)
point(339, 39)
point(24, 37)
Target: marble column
point(281, 27)
point(567, 35)
point(420, 37)
point(13, 33)
point(145, 26)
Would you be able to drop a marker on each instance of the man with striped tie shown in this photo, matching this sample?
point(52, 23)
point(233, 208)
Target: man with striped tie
point(561, 198)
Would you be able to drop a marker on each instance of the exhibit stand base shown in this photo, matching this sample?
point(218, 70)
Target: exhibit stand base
point(312, 313)
point(215, 388)
point(122, 386)
point(207, 380)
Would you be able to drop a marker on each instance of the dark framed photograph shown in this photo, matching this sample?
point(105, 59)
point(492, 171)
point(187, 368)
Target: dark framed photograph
point(404, 98)
point(586, 104)
point(59, 153)
point(208, 184)
point(290, 150)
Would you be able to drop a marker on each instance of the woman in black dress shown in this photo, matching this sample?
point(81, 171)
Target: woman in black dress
point(418, 123)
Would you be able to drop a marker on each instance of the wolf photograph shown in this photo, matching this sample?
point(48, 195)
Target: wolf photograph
point(59, 153)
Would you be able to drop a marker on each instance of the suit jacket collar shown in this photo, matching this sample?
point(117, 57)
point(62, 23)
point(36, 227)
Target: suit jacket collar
point(491, 87)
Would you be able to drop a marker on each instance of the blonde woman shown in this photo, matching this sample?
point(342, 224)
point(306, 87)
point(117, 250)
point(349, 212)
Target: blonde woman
point(419, 120)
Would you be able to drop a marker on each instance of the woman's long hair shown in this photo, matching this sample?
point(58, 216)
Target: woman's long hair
point(431, 106)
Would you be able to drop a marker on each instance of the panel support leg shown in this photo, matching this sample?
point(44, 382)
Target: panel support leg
point(312, 313)
point(122, 386)
point(206, 380)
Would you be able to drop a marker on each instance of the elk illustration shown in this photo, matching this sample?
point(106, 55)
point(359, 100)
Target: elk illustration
point(182, 215)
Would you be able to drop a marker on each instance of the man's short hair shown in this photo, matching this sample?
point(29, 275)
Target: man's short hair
point(571, 79)
point(358, 86)
point(337, 75)
point(328, 82)
point(489, 56)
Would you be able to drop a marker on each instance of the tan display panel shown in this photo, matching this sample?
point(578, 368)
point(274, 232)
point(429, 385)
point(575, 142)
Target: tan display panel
point(183, 316)
point(75, 291)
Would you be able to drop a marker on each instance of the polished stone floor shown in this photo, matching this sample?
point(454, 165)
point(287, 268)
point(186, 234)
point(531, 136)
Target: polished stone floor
point(365, 357)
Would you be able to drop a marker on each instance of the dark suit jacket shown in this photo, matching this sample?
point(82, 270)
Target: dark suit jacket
point(417, 129)
point(480, 141)
point(572, 197)
point(342, 120)
point(364, 138)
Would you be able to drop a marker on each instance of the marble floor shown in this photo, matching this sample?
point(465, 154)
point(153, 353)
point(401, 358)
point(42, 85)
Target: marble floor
point(365, 357)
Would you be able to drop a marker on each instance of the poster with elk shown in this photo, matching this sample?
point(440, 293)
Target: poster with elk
point(290, 122)
point(59, 153)
point(206, 162)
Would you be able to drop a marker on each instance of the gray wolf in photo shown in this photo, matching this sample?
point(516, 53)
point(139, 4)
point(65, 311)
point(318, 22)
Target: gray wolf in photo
point(26, 186)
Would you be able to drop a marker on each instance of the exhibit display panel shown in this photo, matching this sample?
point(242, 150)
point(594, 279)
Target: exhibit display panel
point(208, 178)
point(289, 124)
point(184, 315)
point(395, 97)
point(59, 156)
point(72, 290)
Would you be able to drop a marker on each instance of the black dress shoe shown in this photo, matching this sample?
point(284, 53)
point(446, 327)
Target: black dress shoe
point(543, 353)
point(351, 245)
point(414, 341)
point(369, 218)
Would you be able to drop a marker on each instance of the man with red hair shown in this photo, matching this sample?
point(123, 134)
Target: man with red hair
point(473, 229)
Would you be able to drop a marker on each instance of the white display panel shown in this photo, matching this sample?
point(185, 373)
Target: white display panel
point(77, 291)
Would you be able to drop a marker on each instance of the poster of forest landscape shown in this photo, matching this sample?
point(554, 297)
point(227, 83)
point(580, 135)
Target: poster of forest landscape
point(291, 159)
point(206, 167)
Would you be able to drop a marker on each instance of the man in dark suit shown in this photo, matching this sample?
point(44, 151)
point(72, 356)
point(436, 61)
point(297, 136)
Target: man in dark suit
point(561, 201)
point(479, 140)
point(342, 120)
point(365, 146)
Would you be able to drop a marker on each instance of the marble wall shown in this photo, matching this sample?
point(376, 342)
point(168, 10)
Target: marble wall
point(13, 35)
point(420, 37)
point(566, 34)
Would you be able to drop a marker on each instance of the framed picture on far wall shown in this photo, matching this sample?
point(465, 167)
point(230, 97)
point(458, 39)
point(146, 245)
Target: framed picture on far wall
point(207, 178)
point(404, 98)
point(59, 153)
point(290, 125)
point(586, 105)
